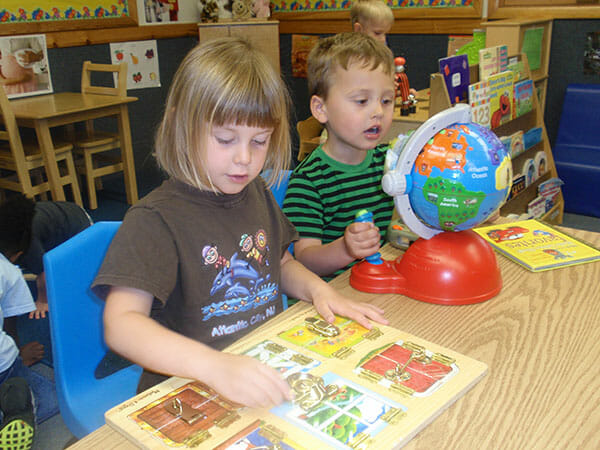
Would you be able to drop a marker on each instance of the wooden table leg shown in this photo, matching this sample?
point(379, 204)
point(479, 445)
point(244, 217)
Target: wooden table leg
point(127, 155)
point(47, 148)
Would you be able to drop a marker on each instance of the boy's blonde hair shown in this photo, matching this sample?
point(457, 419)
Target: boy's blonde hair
point(373, 11)
point(342, 50)
point(219, 82)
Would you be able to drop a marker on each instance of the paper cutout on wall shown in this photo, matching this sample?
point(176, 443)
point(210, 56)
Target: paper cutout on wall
point(142, 62)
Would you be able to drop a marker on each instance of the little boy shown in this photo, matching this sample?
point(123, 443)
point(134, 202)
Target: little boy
point(17, 418)
point(16, 411)
point(372, 17)
point(38, 227)
point(351, 87)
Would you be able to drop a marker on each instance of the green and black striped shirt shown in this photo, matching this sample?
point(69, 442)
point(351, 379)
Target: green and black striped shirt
point(324, 195)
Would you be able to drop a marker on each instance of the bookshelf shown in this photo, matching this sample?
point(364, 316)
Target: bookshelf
point(518, 203)
point(529, 36)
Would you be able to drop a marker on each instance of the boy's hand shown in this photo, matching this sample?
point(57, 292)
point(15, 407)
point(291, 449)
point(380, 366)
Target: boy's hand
point(330, 302)
point(41, 308)
point(247, 381)
point(362, 239)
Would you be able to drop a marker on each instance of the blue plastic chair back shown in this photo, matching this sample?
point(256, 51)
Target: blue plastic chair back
point(76, 331)
point(278, 192)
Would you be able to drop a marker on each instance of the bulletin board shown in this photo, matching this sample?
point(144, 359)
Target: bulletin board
point(335, 5)
point(50, 15)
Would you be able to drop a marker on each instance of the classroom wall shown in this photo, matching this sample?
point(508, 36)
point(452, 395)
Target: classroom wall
point(145, 114)
point(566, 67)
point(421, 52)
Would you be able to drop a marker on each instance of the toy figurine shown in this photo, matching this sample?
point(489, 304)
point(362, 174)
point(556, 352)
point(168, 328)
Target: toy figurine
point(402, 87)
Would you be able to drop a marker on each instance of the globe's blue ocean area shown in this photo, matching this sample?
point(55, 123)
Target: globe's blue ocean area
point(462, 175)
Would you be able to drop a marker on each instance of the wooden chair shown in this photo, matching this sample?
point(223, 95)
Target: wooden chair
point(309, 131)
point(97, 148)
point(22, 166)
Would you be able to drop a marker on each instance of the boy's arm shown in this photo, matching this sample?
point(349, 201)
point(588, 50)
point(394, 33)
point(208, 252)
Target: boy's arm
point(130, 331)
point(361, 239)
point(299, 282)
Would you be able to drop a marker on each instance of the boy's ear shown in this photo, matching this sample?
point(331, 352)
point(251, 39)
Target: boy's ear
point(318, 109)
point(357, 27)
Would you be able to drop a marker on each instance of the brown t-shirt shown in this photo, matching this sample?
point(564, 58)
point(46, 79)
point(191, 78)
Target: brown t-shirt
point(211, 261)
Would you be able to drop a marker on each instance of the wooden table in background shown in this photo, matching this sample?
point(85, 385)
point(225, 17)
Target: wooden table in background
point(540, 338)
point(46, 111)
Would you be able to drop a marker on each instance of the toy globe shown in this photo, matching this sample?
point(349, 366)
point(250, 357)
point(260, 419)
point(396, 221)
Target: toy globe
point(449, 176)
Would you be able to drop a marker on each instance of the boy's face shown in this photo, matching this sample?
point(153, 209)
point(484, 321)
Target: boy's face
point(357, 112)
point(235, 155)
point(375, 29)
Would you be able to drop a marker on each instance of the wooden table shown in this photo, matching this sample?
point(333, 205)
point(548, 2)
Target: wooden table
point(46, 111)
point(540, 338)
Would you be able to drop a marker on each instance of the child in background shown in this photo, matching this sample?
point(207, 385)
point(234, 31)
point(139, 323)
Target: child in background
point(351, 84)
point(39, 227)
point(16, 407)
point(372, 17)
point(202, 260)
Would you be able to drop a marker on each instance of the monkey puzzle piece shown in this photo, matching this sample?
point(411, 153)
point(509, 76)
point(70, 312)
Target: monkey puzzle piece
point(321, 327)
point(309, 390)
point(184, 411)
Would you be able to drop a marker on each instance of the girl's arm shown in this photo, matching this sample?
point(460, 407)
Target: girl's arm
point(299, 282)
point(130, 331)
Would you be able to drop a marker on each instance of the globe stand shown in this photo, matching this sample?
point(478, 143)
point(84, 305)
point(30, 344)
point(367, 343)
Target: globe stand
point(451, 268)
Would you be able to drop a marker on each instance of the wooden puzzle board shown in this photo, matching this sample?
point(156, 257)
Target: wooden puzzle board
point(357, 389)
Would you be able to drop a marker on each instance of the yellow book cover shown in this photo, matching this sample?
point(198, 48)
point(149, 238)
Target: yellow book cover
point(537, 246)
point(501, 94)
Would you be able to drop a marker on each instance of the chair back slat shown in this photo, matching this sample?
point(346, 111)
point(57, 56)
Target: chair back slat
point(89, 68)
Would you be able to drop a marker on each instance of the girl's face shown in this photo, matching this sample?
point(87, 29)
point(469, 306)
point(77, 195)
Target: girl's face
point(235, 155)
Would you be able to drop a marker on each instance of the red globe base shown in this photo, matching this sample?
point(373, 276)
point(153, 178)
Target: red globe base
point(448, 269)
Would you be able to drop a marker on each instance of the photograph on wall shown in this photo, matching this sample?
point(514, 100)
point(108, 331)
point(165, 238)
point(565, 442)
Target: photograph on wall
point(142, 62)
point(591, 55)
point(24, 67)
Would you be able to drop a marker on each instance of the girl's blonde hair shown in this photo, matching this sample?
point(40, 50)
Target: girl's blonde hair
point(219, 82)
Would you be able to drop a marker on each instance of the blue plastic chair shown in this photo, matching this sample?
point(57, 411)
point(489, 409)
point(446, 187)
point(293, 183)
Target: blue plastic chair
point(278, 192)
point(76, 331)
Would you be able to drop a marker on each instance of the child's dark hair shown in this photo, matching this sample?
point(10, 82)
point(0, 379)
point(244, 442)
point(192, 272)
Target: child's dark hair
point(16, 218)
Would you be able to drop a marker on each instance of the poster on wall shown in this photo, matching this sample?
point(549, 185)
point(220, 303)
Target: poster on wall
point(301, 47)
point(591, 55)
point(142, 62)
point(24, 67)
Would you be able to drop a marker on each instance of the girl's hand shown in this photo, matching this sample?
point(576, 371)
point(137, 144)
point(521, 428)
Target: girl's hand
point(247, 381)
point(330, 302)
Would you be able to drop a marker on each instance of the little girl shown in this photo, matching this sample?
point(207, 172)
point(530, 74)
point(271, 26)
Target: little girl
point(202, 260)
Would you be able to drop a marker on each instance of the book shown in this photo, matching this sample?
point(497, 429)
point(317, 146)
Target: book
point(518, 67)
point(479, 101)
point(353, 388)
point(536, 245)
point(492, 60)
point(523, 96)
point(455, 70)
point(513, 143)
point(501, 94)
